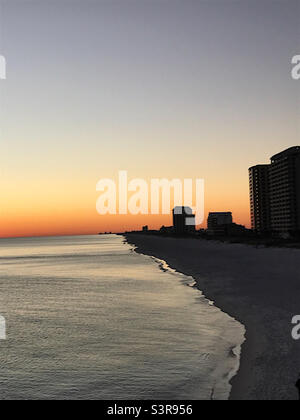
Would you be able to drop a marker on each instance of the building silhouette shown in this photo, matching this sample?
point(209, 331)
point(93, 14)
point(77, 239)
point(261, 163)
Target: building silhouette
point(183, 220)
point(221, 224)
point(217, 221)
point(285, 191)
point(275, 194)
point(260, 198)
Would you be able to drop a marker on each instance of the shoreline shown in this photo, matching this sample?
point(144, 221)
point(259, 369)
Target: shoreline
point(235, 350)
point(256, 287)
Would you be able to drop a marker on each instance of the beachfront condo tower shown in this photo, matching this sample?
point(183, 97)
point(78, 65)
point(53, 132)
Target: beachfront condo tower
point(275, 194)
point(260, 198)
point(285, 191)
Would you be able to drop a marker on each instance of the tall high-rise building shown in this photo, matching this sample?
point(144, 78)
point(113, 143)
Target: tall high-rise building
point(275, 193)
point(285, 190)
point(260, 198)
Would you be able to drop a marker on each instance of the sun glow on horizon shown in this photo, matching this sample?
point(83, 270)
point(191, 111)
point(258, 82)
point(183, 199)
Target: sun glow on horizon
point(196, 90)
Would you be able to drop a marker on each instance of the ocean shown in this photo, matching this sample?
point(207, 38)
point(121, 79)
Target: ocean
point(89, 318)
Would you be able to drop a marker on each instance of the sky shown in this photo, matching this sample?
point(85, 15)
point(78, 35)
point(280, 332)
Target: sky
point(160, 88)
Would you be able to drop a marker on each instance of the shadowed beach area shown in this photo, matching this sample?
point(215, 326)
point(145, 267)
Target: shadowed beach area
point(259, 287)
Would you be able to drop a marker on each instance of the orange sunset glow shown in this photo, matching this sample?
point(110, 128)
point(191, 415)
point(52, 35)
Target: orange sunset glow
point(159, 101)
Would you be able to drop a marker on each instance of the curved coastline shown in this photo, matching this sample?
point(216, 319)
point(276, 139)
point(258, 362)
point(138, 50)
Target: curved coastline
point(258, 287)
point(190, 281)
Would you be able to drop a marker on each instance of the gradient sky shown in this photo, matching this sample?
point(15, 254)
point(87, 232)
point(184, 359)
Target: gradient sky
point(161, 88)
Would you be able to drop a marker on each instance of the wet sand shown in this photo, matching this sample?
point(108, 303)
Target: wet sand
point(259, 287)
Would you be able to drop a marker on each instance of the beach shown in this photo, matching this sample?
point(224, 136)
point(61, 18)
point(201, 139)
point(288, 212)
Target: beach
point(260, 288)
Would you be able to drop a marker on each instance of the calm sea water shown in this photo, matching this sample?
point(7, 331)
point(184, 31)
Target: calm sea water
point(88, 318)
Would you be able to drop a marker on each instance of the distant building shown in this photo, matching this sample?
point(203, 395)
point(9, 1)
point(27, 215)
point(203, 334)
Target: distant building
point(275, 194)
point(145, 228)
point(222, 224)
point(217, 221)
point(183, 220)
point(260, 198)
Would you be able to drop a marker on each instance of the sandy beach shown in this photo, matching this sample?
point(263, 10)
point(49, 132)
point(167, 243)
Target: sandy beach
point(259, 287)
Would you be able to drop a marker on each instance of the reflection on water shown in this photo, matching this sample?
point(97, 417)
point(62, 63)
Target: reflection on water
point(89, 318)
